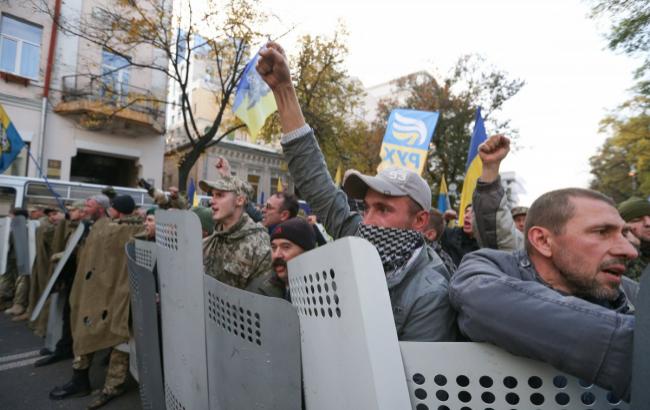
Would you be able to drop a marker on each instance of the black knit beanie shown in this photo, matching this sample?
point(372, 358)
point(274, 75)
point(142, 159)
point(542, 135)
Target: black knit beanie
point(124, 204)
point(298, 231)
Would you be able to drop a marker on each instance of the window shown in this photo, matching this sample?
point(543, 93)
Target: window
point(254, 181)
point(20, 47)
point(115, 77)
point(274, 185)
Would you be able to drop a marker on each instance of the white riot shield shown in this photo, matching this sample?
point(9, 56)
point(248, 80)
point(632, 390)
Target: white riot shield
point(478, 375)
point(5, 229)
point(253, 344)
point(641, 369)
point(180, 271)
point(69, 249)
point(21, 244)
point(55, 320)
point(31, 238)
point(141, 260)
point(350, 353)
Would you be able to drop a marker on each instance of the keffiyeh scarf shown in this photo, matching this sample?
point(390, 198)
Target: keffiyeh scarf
point(395, 246)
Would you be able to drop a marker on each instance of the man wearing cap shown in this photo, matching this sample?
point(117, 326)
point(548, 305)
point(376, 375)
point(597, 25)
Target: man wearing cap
point(519, 217)
point(238, 251)
point(397, 203)
point(636, 214)
point(289, 239)
point(99, 299)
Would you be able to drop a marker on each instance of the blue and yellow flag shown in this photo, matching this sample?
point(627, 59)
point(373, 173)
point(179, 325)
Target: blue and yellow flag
point(474, 166)
point(10, 141)
point(254, 101)
point(191, 191)
point(443, 196)
point(407, 138)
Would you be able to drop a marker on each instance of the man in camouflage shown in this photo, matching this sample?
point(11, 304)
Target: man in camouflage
point(164, 201)
point(99, 299)
point(239, 250)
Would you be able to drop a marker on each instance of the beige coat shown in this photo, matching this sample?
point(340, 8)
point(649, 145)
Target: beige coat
point(40, 274)
point(99, 299)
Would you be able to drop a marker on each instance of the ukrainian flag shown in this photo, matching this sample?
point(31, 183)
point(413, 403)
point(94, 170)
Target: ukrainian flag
point(10, 141)
point(339, 176)
point(474, 166)
point(254, 101)
point(443, 196)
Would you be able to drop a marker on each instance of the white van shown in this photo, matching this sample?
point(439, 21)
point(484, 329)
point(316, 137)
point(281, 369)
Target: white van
point(24, 192)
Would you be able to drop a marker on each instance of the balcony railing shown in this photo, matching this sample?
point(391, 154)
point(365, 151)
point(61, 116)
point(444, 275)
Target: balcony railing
point(101, 96)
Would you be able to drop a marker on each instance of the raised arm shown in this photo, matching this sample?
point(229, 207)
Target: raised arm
point(304, 157)
point(494, 226)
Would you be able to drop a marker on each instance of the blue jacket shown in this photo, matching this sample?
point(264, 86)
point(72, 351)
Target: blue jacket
point(419, 292)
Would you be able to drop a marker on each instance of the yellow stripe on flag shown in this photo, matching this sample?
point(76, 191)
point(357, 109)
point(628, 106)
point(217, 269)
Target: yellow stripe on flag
point(471, 178)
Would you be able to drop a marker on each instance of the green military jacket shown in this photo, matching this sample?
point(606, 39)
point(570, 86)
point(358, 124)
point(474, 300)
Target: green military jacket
point(238, 255)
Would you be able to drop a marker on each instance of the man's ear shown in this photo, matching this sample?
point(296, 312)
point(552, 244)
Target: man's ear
point(421, 221)
point(284, 215)
point(240, 200)
point(541, 238)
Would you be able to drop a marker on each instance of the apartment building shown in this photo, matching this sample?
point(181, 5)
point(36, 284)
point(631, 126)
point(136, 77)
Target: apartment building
point(96, 121)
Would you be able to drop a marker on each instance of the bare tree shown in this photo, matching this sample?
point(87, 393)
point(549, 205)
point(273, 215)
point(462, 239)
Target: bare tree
point(221, 32)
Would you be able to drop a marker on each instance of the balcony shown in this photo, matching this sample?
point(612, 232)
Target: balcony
point(104, 105)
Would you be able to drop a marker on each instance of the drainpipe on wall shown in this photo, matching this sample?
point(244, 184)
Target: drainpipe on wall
point(48, 78)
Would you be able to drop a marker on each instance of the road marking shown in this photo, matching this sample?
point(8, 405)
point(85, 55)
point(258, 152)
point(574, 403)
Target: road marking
point(21, 363)
point(18, 356)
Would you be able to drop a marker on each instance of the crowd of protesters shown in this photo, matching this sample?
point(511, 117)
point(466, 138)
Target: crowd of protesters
point(563, 272)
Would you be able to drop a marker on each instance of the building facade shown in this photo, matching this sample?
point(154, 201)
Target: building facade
point(98, 123)
point(262, 167)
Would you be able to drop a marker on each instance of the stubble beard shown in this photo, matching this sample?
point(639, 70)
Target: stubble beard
point(583, 284)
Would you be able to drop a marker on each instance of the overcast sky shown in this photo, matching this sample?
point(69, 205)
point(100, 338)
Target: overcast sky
point(572, 80)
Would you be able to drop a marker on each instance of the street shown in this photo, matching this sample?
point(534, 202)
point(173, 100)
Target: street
point(23, 387)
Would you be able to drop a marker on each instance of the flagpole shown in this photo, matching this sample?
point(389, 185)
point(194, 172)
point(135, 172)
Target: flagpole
point(47, 183)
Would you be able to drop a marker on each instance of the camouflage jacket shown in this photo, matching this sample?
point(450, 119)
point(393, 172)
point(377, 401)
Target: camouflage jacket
point(238, 255)
point(165, 202)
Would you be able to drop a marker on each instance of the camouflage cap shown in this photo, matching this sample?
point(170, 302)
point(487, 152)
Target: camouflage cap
point(76, 205)
point(228, 184)
point(519, 210)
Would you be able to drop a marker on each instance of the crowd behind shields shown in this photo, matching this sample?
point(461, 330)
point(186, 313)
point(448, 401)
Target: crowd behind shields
point(562, 271)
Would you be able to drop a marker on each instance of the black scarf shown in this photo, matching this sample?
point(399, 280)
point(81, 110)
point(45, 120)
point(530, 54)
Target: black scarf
point(395, 246)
